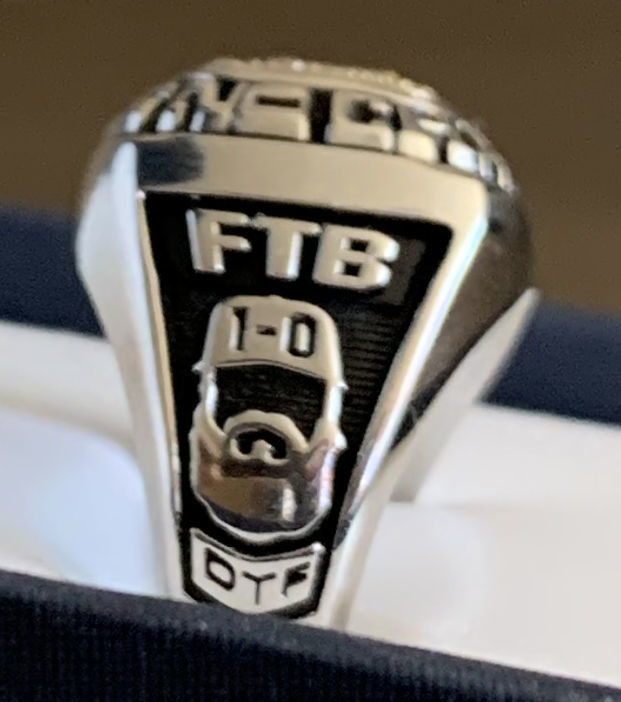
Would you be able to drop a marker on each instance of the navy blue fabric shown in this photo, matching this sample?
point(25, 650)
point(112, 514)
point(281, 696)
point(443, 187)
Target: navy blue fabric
point(569, 362)
point(61, 642)
point(38, 281)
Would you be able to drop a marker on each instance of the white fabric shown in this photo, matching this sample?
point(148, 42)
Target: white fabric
point(510, 554)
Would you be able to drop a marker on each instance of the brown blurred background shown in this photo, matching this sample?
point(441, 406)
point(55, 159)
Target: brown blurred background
point(544, 76)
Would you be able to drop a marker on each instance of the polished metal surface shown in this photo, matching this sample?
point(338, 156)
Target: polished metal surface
point(253, 584)
point(307, 272)
point(258, 474)
point(284, 248)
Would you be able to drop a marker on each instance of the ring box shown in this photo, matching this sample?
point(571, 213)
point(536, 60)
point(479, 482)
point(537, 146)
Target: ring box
point(507, 561)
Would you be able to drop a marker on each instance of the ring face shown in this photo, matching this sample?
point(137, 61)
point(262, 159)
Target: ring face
point(305, 231)
point(277, 358)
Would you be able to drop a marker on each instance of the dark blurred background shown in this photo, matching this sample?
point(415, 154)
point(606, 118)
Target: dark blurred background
point(544, 76)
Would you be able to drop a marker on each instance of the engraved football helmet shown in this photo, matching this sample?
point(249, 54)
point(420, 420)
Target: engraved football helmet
point(266, 433)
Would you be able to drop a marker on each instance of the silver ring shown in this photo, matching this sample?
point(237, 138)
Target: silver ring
point(307, 273)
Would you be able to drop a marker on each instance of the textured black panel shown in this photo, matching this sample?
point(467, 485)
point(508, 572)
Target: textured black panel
point(371, 325)
point(244, 388)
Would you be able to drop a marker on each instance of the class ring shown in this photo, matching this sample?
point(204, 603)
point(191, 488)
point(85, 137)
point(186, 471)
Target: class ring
point(307, 273)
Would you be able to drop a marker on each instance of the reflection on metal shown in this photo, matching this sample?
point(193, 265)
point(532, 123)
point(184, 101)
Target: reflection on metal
point(306, 101)
point(347, 257)
point(256, 471)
